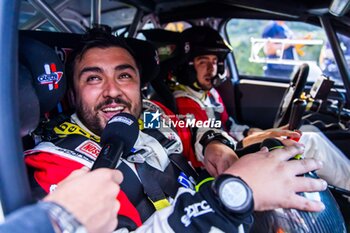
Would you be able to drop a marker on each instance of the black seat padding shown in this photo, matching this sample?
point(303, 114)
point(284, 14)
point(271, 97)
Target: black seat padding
point(170, 57)
point(42, 83)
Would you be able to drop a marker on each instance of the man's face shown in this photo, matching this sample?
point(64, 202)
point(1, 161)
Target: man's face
point(106, 82)
point(206, 68)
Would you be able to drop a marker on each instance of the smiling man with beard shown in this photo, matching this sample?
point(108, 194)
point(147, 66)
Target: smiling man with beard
point(98, 98)
point(159, 185)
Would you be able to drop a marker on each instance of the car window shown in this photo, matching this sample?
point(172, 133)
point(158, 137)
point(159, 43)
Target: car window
point(274, 49)
point(327, 62)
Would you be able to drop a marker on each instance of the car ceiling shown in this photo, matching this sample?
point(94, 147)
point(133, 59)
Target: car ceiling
point(170, 9)
point(177, 10)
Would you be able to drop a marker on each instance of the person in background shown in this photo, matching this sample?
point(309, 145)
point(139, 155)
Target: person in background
point(278, 30)
point(197, 96)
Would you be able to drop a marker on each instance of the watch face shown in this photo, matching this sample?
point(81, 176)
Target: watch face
point(233, 194)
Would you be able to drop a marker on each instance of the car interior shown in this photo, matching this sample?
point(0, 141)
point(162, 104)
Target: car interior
point(38, 32)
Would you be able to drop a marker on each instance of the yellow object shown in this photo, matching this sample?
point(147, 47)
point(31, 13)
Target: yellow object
point(67, 128)
point(298, 47)
point(203, 182)
point(161, 204)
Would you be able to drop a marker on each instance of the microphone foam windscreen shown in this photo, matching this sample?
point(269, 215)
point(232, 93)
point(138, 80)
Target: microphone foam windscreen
point(124, 127)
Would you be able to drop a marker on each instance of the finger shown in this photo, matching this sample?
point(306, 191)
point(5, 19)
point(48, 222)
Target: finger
point(305, 204)
point(85, 168)
point(223, 165)
point(117, 207)
point(82, 171)
point(117, 176)
point(307, 184)
point(288, 152)
point(303, 166)
point(211, 169)
point(284, 127)
point(264, 149)
point(289, 142)
point(115, 191)
point(286, 133)
point(299, 131)
point(113, 220)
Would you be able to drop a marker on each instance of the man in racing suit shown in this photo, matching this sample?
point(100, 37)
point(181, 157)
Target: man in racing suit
point(196, 95)
point(160, 192)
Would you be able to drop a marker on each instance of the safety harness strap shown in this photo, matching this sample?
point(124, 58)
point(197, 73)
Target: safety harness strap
point(216, 106)
point(177, 159)
point(151, 186)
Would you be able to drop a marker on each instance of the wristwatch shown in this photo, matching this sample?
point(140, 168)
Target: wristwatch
point(211, 135)
point(233, 194)
point(61, 219)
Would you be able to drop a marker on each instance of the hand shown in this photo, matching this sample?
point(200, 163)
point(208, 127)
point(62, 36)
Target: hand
point(257, 136)
point(90, 197)
point(253, 131)
point(218, 157)
point(274, 181)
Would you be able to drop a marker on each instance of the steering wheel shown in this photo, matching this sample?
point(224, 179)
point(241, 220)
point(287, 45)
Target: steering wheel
point(293, 91)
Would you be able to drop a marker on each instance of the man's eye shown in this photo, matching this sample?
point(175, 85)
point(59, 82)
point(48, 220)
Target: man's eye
point(125, 76)
point(92, 78)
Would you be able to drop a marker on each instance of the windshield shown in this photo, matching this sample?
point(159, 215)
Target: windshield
point(296, 43)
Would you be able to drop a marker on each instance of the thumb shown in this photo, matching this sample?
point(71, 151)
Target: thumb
point(264, 149)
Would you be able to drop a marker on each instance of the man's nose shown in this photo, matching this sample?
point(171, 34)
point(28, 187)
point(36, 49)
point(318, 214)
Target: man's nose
point(111, 89)
point(210, 66)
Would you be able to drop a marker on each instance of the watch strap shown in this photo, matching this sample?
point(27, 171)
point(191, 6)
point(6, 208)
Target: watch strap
point(245, 209)
point(211, 135)
point(62, 220)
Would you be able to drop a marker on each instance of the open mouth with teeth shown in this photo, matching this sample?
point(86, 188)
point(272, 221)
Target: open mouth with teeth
point(110, 111)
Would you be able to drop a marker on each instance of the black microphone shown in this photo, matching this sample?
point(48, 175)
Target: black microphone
point(118, 138)
point(298, 109)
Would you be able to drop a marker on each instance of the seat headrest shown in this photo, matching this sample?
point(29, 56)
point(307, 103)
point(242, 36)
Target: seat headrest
point(166, 43)
point(46, 72)
point(29, 109)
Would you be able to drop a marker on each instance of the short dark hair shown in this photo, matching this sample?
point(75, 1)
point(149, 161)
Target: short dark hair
point(95, 40)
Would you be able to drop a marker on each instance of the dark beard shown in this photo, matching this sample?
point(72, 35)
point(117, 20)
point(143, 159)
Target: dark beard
point(92, 122)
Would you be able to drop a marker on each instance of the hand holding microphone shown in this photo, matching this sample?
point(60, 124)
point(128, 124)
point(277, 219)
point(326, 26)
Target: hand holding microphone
point(118, 138)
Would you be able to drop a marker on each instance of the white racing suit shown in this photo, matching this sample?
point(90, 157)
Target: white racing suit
point(205, 105)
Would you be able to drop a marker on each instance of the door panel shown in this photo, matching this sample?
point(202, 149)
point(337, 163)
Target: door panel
point(257, 101)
